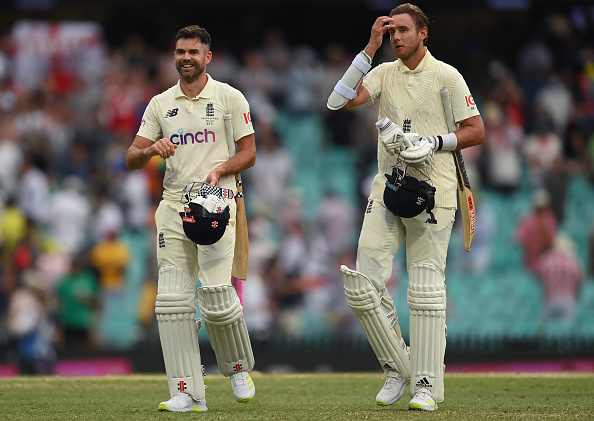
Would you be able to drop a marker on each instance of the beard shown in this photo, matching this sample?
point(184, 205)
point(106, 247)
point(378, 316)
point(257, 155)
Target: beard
point(191, 76)
point(408, 53)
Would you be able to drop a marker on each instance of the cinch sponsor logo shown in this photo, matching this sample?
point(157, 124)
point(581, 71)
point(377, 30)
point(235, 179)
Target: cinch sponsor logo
point(182, 138)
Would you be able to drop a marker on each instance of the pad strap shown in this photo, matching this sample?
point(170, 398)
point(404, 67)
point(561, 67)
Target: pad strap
point(363, 64)
point(344, 90)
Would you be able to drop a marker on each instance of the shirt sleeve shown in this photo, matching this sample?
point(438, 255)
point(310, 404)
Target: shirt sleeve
point(242, 118)
point(150, 127)
point(463, 104)
point(373, 82)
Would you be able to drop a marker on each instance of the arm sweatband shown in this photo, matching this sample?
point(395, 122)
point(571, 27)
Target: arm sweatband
point(346, 88)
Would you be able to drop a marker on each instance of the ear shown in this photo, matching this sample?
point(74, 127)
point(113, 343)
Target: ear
point(208, 57)
point(423, 33)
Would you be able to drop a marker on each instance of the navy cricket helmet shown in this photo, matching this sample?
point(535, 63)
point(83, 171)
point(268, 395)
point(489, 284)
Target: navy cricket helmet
point(407, 197)
point(200, 225)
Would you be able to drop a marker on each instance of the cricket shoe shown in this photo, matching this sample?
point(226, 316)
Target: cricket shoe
point(182, 402)
point(422, 401)
point(243, 386)
point(392, 390)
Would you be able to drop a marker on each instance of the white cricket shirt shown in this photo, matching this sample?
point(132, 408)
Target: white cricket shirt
point(411, 98)
point(197, 126)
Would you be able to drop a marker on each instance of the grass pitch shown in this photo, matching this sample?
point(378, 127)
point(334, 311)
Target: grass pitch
point(338, 396)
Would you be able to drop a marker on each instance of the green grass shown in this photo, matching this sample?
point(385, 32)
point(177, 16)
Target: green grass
point(339, 396)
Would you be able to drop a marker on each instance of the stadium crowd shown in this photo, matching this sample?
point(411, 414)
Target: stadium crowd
point(76, 225)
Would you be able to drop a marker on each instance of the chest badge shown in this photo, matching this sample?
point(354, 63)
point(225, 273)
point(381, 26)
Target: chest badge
point(209, 113)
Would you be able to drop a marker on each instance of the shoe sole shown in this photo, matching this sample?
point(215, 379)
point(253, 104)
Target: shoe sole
point(244, 400)
point(163, 407)
point(415, 406)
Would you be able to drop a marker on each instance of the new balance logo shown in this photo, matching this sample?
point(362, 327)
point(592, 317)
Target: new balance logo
point(423, 383)
point(161, 240)
point(171, 113)
point(369, 205)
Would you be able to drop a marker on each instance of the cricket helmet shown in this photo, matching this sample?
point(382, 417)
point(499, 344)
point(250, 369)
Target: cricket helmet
point(406, 196)
point(205, 217)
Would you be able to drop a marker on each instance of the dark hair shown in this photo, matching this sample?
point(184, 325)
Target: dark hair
point(194, 31)
point(417, 15)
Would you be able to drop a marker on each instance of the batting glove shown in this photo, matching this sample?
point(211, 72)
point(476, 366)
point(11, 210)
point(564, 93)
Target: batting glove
point(392, 136)
point(211, 203)
point(419, 155)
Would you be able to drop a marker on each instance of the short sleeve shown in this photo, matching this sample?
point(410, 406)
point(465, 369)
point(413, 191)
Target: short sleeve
point(149, 125)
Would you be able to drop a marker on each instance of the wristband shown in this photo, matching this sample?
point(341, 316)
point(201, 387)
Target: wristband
point(445, 142)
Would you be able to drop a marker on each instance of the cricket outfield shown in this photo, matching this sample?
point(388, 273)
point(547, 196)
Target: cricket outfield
point(327, 396)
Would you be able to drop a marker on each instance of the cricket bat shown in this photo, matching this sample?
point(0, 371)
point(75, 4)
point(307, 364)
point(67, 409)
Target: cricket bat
point(464, 192)
point(242, 246)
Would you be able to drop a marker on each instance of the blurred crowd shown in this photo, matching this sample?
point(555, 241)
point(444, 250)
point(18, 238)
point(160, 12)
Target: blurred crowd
point(72, 215)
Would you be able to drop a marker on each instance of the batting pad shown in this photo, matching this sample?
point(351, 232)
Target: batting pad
point(427, 303)
point(382, 329)
point(175, 310)
point(222, 314)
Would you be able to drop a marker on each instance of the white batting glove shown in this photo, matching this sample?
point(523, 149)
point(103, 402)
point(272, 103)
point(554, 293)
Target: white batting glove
point(419, 154)
point(211, 203)
point(392, 137)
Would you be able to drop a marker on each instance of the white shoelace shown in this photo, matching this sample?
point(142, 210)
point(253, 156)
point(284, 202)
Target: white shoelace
point(390, 383)
point(240, 379)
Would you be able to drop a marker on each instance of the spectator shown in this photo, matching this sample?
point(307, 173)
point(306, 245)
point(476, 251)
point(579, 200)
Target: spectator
point(270, 179)
point(541, 148)
point(501, 154)
point(561, 274)
point(77, 294)
point(30, 327)
point(69, 215)
point(110, 257)
point(34, 192)
point(536, 231)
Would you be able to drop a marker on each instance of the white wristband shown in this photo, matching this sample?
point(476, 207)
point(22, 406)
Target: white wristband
point(446, 142)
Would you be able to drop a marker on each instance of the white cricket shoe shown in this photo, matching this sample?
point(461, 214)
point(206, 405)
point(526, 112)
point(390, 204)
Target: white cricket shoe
point(422, 401)
point(243, 386)
point(392, 390)
point(182, 402)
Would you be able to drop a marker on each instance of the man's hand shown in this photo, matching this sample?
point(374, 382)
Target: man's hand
point(418, 154)
point(378, 30)
point(392, 136)
point(214, 176)
point(142, 150)
point(164, 148)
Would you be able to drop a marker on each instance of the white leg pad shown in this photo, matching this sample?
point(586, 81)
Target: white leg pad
point(222, 314)
point(380, 326)
point(175, 309)
point(427, 303)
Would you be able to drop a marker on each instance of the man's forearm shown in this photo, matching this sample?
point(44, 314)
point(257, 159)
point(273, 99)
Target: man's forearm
point(138, 158)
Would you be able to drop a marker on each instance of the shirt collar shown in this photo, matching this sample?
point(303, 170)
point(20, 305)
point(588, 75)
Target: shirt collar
point(422, 65)
point(205, 93)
